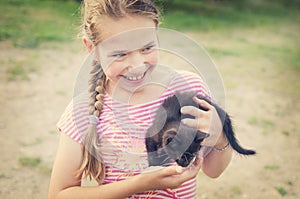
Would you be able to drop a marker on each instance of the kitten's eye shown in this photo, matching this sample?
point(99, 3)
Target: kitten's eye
point(197, 140)
point(168, 136)
point(169, 140)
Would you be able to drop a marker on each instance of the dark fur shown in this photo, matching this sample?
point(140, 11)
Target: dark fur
point(168, 139)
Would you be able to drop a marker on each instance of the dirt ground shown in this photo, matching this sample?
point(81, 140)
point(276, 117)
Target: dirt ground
point(262, 95)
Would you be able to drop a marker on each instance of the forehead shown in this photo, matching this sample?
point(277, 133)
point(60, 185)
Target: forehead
point(125, 32)
point(110, 27)
point(129, 40)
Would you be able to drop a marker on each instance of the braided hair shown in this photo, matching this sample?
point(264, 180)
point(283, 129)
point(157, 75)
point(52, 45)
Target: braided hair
point(93, 11)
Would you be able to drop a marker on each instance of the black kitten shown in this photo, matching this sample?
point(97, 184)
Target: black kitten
point(168, 139)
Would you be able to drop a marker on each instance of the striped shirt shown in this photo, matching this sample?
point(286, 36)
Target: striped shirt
point(121, 132)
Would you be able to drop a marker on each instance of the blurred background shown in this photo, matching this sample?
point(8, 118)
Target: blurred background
point(254, 43)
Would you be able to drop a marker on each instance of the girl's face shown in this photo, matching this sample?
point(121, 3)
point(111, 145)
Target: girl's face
point(128, 52)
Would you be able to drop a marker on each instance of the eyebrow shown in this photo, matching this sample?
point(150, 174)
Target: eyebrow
point(150, 43)
point(125, 51)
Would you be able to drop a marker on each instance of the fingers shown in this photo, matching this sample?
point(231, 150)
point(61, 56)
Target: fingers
point(203, 115)
point(192, 171)
point(201, 120)
point(194, 111)
point(191, 123)
point(202, 103)
point(199, 160)
point(173, 176)
point(172, 170)
point(191, 110)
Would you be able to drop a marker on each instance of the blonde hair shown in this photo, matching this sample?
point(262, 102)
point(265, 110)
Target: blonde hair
point(93, 12)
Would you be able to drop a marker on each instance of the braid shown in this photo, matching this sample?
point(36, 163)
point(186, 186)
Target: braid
point(96, 89)
point(91, 165)
point(94, 12)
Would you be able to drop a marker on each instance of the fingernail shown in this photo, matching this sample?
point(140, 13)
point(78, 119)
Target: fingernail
point(201, 160)
point(196, 99)
point(182, 110)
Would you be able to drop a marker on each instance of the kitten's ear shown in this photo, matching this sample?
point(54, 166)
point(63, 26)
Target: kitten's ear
point(200, 136)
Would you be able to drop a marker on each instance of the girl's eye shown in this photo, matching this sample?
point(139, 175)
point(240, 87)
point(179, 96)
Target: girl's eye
point(118, 56)
point(148, 49)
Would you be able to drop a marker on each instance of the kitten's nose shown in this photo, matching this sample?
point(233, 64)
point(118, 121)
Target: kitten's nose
point(185, 159)
point(182, 162)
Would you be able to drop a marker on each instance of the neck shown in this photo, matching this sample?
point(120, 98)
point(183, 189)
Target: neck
point(143, 95)
point(152, 90)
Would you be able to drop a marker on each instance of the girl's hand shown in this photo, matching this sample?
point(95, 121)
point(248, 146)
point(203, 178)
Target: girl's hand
point(170, 177)
point(205, 121)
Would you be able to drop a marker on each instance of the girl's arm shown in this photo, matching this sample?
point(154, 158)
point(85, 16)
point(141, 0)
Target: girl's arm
point(216, 161)
point(65, 185)
point(208, 121)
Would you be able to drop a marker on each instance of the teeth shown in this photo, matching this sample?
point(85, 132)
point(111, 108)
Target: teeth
point(134, 78)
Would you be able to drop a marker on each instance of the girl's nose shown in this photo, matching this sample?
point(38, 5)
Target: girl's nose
point(136, 59)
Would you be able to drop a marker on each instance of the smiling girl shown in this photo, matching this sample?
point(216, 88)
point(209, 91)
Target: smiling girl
point(103, 137)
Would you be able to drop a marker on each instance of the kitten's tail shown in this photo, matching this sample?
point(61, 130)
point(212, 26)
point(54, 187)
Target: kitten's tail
point(228, 130)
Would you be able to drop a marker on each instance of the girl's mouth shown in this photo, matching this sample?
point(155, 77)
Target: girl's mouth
point(134, 78)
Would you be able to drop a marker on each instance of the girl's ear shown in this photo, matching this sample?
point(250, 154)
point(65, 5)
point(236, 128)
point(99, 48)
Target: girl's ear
point(88, 44)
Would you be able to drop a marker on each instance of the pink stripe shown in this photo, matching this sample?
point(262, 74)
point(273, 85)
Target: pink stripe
point(186, 190)
point(68, 129)
point(185, 87)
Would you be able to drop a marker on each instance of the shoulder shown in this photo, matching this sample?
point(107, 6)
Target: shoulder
point(74, 120)
point(188, 81)
point(182, 75)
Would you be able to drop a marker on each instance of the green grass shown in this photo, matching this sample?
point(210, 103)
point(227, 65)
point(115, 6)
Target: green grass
point(271, 167)
point(17, 72)
point(287, 55)
point(2, 175)
point(286, 133)
point(277, 17)
point(61, 93)
point(36, 141)
point(219, 52)
point(281, 191)
point(21, 69)
point(28, 23)
point(34, 163)
point(235, 191)
point(266, 124)
point(44, 169)
point(218, 15)
point(253, 121)
point(30, 161)
point(290, 183)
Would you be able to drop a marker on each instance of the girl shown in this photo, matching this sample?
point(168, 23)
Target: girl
point(103, 138)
